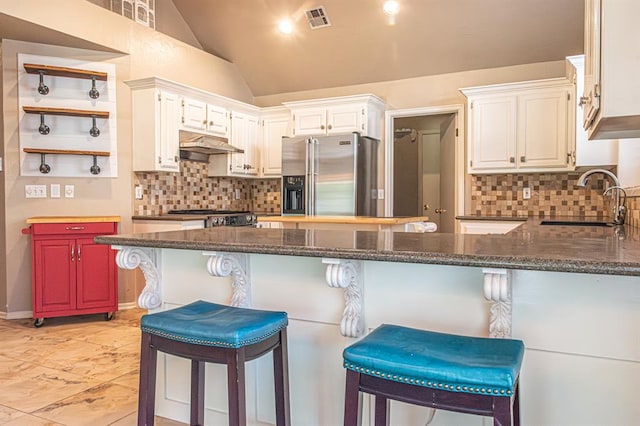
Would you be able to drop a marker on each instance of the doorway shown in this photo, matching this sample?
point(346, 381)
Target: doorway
point(425, 164)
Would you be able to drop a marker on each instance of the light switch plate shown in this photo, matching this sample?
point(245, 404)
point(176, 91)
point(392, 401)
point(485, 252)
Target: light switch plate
point(380, 194)
point(138, 191)
point(69, 191)
point(55, 190)
point(35, 191)
point(526, 193)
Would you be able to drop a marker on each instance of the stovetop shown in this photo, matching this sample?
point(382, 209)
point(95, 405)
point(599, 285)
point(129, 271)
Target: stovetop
point(222, 217)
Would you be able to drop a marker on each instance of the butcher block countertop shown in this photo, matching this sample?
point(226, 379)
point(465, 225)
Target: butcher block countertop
point(349, 220)
point(72, 219)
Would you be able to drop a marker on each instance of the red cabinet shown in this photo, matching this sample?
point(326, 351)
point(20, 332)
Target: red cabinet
point(71, 275)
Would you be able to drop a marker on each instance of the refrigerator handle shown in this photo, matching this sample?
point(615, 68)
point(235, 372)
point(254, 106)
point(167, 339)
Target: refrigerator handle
point(308, 190)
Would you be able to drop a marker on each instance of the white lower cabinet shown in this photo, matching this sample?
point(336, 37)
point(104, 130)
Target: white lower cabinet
point(521, 127)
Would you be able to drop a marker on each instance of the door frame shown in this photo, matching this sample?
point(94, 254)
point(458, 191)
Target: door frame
point(390, 115)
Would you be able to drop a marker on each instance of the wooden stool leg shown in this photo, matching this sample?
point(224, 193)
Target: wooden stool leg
point(382, 412)
point(352, 399)
point(281, 379)
point(147, 384)
point(197, 392)
point(516, 405)
point(236, 388)
point(502, 414)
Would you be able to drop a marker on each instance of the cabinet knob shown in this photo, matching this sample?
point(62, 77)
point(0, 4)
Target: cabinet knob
point(440, 211)
point(322, 127)
point(211, 123)
point(204, 122)
point(512, 159)
point(523, 159)
point(425, 207)
point(175, 158)
point(329, 127)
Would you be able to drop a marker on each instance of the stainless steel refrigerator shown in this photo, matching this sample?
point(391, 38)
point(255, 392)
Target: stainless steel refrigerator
point(329, 175)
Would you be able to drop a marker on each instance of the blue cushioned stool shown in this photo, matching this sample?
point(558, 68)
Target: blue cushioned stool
point(444, 371)
point(207, 332)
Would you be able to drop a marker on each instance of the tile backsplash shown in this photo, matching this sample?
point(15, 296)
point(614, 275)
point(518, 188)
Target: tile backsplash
point(192, 189)
point(552, 194)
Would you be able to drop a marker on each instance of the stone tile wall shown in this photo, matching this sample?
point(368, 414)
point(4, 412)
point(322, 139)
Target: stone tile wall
point(192, 189)
point(552, 194)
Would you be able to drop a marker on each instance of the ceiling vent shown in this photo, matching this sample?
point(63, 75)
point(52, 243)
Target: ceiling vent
point(317, 18)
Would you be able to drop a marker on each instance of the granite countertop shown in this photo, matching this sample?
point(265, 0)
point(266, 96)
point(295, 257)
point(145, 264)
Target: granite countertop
point(586, 249)
point(173, 217)
point(72, 219)
point(355, 220)
point(495, 218)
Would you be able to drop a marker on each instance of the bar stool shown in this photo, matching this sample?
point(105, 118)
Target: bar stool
point(457, 373)
point(208, 332)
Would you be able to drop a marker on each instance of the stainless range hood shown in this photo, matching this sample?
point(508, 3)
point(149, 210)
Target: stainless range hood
point(199, 146)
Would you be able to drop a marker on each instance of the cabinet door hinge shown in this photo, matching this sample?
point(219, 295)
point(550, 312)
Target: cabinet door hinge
point(456, 132)
point(183, 119)
point(182, 102)
point(470, 163)
point(471, 105)
point(568, 96)
point(159, 97)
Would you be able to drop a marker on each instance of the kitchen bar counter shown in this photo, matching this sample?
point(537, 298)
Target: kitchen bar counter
point(561, 289)
point(595, 250)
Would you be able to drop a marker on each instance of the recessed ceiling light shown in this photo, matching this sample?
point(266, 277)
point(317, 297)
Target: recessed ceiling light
point(391, 7)
point(285, 26)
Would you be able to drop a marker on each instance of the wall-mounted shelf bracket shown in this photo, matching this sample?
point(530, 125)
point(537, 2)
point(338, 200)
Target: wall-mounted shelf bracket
point(45, 168)
point(44, 129)
point(56, 71)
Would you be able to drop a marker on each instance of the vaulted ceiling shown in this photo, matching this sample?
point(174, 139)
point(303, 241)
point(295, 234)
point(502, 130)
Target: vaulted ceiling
point(361, 46)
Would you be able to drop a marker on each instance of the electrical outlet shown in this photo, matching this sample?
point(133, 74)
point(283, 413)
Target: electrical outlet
point(35, 191)
point(374, 194)
point(526, 193)
point(69, 191)
point(237, 194)
point(55, 190)
point(138, 192)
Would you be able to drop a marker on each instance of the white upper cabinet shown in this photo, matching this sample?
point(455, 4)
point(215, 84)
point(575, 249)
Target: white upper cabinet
point(276, 124)
point(156, 118)
point(246, 136)
point(612, 60)
point(337, 115)
point(521, 127)
point(204, 117)
point(602, 152)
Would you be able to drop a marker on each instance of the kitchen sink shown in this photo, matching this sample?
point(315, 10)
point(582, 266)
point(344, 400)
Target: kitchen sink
point(575, 223)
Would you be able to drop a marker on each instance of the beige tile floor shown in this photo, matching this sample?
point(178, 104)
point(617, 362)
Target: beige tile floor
point(78, 370)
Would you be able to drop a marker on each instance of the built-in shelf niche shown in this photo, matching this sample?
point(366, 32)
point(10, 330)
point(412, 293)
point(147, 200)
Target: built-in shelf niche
point(67, 111)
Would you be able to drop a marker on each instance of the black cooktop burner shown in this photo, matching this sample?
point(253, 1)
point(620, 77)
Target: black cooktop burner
point(207, 211)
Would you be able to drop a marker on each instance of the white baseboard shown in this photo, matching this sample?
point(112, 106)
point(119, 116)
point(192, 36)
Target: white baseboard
point(29, 314)
point(16, 315)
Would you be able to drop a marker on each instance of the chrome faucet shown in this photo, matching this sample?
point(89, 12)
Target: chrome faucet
point(619, 210)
